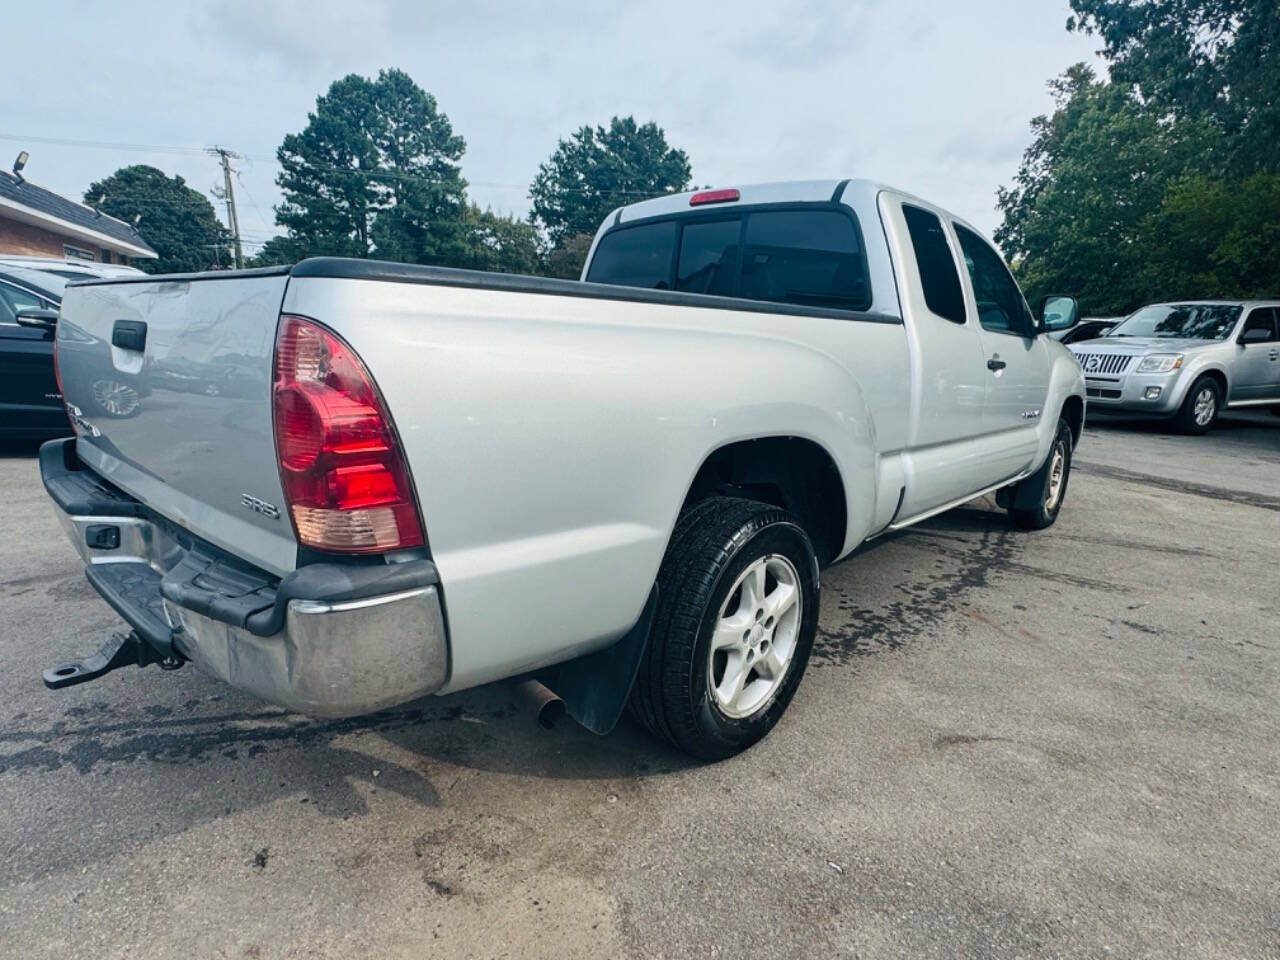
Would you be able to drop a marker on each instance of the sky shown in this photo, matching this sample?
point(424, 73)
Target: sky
point(934, 98)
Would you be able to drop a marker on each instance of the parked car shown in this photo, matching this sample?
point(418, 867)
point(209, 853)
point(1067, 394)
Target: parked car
point(1186, 362)
point(68, 268)
point(30, 400)
point(1090, 328)
point(623, 487)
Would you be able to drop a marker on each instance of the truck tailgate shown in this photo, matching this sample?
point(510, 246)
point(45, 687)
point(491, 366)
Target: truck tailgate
point(169, 384)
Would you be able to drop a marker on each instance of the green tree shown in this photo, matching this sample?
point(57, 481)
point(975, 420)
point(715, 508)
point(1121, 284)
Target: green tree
point(177, 221)
point(1075, 219)
point(1211, 239)
point(1217, 61)
point(1160, 182)
point(497, 243)
point(599, 169)
point(374, 170)
point(480, 240)
point(279, 249)
point(565, 259)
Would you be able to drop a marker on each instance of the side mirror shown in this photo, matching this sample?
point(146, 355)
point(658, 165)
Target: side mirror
point(40, 317)
point(1058, 313)
point(1255, 335)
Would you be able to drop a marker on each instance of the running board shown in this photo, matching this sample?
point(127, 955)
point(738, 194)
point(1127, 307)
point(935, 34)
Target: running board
point(956, 503)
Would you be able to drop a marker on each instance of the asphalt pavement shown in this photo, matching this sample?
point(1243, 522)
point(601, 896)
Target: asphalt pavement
point(1008, 745)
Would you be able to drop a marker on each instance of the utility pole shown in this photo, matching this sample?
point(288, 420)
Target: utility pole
point(225, 157)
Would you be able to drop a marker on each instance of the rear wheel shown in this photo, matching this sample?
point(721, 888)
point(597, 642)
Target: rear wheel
point(1042, 493)
point(737, 613)
point(1200, 407)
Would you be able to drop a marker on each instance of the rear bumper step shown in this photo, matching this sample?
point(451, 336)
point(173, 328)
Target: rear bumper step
point(133, 590)
point(329, 639)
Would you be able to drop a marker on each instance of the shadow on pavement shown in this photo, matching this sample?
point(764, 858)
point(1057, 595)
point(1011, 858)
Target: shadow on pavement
point(20, 449)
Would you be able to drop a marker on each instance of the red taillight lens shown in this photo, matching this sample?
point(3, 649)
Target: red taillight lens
point(713, 196)
point(342, 471)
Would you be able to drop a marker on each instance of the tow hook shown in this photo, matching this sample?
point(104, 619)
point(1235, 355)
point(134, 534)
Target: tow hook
point(121, 650)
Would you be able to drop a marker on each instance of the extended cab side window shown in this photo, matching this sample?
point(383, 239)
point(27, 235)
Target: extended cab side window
point(938, 274)
point(811, 258)
point(636, 256)
point(1001, 306)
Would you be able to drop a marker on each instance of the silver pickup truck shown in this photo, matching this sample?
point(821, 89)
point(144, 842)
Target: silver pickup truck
point(1186, 362)
point(420, 480)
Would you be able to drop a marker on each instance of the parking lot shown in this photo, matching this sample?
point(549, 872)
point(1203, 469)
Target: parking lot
point(1008, 744)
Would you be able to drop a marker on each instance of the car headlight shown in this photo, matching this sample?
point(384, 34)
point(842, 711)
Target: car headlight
point(1160, 363)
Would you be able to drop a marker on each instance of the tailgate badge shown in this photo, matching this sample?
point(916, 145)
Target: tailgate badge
point(259, 506)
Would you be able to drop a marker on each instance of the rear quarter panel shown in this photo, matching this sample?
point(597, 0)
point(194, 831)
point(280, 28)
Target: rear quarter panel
point(552, 440)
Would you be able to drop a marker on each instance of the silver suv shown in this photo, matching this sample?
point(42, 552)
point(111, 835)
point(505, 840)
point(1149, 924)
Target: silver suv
point(1185, 362)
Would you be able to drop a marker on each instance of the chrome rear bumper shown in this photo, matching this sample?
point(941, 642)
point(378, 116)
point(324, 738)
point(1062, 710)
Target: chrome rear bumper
point(330, 639)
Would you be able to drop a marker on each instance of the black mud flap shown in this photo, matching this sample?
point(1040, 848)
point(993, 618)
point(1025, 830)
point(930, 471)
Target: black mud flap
point(122, 650)
point(595, 688)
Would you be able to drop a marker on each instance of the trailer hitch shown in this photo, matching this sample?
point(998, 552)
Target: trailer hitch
point(121, 650)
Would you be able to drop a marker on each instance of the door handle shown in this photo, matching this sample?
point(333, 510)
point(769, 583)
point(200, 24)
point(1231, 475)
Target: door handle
point(1274, 355)
point(995, 363)
point(129, 335)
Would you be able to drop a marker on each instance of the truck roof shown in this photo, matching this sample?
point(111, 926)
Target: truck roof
point(792, 191)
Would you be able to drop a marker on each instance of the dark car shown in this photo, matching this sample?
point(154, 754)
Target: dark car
point(30, 402)
point(1090, 328)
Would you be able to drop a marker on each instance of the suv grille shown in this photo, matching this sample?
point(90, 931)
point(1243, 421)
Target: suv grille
point(1106, 363)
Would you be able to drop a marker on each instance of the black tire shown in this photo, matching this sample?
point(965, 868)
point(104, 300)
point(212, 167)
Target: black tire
point(714, 543)
point(1186, 420)
point(1040, 509)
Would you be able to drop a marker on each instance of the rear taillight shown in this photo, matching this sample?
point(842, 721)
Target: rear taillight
point(343, 474)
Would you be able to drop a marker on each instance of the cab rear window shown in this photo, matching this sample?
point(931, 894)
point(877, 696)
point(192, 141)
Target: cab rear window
point(802, 256)
point(636, 257)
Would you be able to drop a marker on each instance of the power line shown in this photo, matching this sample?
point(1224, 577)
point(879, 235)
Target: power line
point(101, 145)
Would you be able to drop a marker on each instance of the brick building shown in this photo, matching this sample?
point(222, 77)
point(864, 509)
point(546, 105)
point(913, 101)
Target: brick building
point(36, 222)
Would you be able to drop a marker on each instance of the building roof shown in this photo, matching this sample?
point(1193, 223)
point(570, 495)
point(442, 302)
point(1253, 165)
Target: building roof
point(31, 203)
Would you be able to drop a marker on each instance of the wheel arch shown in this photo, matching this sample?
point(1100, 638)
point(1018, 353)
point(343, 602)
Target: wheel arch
point(1219, 376)
point(795, 473)
point(1184, 383)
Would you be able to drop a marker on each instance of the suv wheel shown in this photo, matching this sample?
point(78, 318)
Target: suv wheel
point(1200, 407)
point(737, 613)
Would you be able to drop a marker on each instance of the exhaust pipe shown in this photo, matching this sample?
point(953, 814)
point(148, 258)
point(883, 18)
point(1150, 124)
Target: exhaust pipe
point(545, 704)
